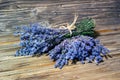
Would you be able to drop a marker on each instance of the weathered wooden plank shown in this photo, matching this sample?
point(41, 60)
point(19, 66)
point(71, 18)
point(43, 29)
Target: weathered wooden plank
point(34, 68)
point(41, 68)
point(20, 12)
point(105, 12)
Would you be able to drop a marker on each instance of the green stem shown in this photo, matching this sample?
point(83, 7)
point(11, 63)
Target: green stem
point(85, 27)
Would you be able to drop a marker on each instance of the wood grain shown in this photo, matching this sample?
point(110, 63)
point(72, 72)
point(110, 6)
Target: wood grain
point(22, 12)
point(42, 68)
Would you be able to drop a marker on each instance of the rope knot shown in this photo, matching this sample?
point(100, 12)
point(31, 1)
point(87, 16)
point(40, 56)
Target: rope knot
point(71, 26)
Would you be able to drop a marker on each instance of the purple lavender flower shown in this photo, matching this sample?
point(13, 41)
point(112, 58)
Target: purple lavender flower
point(80, 48)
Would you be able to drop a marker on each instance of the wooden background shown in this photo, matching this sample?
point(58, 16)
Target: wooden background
point(20, 12)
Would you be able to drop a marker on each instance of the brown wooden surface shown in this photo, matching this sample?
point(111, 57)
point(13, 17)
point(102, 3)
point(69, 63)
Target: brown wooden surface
point(19, 12)
point(42, 68)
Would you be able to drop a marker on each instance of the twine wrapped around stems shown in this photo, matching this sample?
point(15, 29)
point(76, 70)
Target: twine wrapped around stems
point(71, 26)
